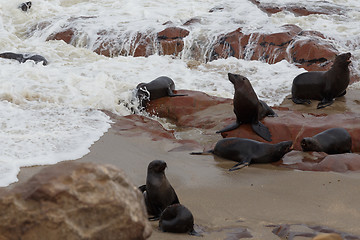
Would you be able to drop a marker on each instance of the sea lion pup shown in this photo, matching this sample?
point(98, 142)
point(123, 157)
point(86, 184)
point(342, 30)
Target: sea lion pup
point(158, 192)
point(25, 6)
point(160, 87)
point(248, 108)
point(330, 141)
point(24, 57)
point(177, 218)
point(323, 86)
point(247, 151)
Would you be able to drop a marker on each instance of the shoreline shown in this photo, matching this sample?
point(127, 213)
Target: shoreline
point(226, 203)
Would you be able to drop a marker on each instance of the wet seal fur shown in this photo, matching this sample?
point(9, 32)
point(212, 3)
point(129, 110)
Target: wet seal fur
point(24, 57)
point(158, 192)
point(247, 151)
point(330, 141)
point(177, 219)
point(25, 6)
point(160, 87)
point(323, 85)
point(248, 108)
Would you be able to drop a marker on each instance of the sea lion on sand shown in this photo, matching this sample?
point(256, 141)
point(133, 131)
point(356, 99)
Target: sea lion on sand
point(330, 141)
point(177, 218)
point(247, 151)
point(160, 87)
point(158, 192)
point(248, 108)
point(24, 57)
point(323, 86)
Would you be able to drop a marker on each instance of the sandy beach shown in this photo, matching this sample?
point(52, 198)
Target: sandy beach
point(230, 205)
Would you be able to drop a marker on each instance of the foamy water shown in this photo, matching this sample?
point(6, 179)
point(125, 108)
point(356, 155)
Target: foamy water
point(51, 113)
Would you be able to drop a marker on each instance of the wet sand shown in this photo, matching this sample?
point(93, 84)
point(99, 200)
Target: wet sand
point(230, 205)
point(225, 203)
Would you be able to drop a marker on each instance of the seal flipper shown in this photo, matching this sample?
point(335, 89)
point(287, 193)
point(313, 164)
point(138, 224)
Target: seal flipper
point(324, 103)
point(230, 127)
point(300, 101)
point(171, 94)
point(261, 130)
point(240, 165)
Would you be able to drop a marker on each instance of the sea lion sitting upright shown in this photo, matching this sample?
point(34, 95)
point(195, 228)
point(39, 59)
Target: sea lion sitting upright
point(330, 141)
point(158, 192)
point(24, 57)
point(323, 86)
point(160, 87)
point(248, 108)
point(177, 218)
point(247, 151)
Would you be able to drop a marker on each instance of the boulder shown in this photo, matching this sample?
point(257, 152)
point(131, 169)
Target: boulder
point(73, 201)
point(307, 49)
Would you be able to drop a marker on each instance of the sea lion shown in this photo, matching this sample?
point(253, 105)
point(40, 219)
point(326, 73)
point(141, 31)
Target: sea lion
point(247, 151)
point(330, 141)
point(248, 108)
point(177, 218)
point(25, 6)
point(24, 57)
point(158, 192)
point(160, 87)
point(323, 85)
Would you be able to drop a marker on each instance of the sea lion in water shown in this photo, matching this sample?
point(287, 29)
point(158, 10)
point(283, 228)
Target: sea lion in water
point(247, 151)
point(331, 141)
point(177, 218)
point(158, 192)
point(160, 87)
point(248, 108)
point(323, 86)
point(25, 6)
point(24, 57)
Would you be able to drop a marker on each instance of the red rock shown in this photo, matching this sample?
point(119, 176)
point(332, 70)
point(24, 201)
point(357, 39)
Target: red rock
point(173, 33)
point(314, 161)
point(66, 35)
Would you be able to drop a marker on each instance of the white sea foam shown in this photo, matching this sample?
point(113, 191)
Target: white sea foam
point(50, 113)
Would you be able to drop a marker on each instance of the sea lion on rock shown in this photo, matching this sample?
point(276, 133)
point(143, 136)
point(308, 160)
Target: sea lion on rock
point(248, 108)
point(331, 141)
point(160, 87)
point(24, 57)
point(177, 218)
point(158, 192)
point(323, 85)
point(247, 151)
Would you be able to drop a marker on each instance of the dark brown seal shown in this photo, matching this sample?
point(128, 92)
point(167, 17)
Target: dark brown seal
point(331, 141)
point(248, 108)
point(158, 192)
point(247, 151)
point(160, 87)
point(24, 57)
point(177, 219)
point(323, 86)
point(25, 6)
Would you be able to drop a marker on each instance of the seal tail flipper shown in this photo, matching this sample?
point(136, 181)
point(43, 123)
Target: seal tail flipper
point(261, 130)
point(300, 101)
point(324, 103)
point(230, 127)
point(202, 153)
point(240, 165)
point(142, 188)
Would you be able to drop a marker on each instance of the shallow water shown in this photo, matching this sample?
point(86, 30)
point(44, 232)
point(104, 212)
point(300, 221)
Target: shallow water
point(50, 113)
